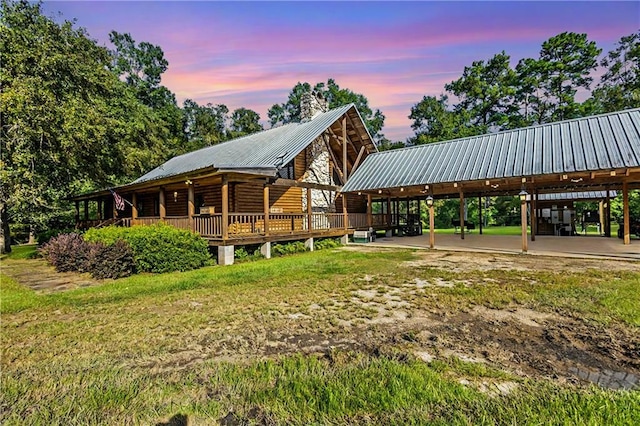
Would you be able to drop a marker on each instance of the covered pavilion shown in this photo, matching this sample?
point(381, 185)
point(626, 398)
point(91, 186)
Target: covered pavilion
point(598, 153)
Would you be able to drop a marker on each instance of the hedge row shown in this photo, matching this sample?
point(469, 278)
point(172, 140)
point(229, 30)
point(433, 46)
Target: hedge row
point(115, 252)
point(157, 248)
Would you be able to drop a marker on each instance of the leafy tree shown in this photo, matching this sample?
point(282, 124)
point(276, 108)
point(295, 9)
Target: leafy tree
point(434, 121)
point(565, 63)
point(204, 125)
point(289, 111)
point(141, 66)
point(485, 91)
point(68, 123)
point(244, 122)
point(619, 86)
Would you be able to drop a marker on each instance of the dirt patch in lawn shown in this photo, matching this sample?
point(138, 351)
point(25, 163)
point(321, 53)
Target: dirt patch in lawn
point(40, 276)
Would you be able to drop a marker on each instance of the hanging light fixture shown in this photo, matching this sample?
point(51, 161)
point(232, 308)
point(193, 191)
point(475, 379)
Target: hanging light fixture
point(429, 201)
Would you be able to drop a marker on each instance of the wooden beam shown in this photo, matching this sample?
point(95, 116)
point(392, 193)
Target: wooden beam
point(607, 216)
point(344, 211)
point(523, 224)
point(309, 210)
point(480, 214)
point(300, 184)
point(162, 203)
point(266, 208)
point(333, 158)
point(357, 163)
point(625, 213)
point(461, 215)
point(534, 215)
point(344, 150)
point(225, 207)
point(432, 232)
point(191, 204)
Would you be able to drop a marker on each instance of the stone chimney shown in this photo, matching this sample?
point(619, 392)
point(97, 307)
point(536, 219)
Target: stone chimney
point(311, 104)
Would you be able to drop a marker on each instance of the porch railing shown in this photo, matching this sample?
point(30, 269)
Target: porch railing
point(253, 224)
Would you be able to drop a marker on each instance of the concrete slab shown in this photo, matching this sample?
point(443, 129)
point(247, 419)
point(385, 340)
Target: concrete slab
point(578, 246)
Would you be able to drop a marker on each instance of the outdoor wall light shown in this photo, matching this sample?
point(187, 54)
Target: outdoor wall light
point(523, 195)
point(359, 193)
point(188, 182)
point(175, 196)
point(429, 201)
point(379, 191)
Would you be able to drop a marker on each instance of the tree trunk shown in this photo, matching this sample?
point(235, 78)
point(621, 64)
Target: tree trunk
point(32, 234)
point(5, 237)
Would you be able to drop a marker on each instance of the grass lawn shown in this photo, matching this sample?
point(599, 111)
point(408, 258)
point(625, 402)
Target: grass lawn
point(303, 339)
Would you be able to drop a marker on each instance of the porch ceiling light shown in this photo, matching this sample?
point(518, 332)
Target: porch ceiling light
point(429, 201)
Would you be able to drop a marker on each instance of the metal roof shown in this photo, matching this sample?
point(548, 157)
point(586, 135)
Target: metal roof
point(265, 151)
point(576, 196)
point(603, 142)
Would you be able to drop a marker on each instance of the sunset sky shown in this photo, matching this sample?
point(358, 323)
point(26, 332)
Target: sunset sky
point(250, 54)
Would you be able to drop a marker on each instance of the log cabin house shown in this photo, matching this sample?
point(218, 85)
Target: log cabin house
point(276, 185)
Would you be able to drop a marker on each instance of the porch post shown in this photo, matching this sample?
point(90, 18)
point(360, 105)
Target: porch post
point(265, 202)
point(523, 224)
point(309, 212)
point(163, 204)
point(461, 214)
point(607, 216)
point(432, 233)
point(625, 213)
point(225, 207)
point(369, 214)
point(191, 207)
point(534, 215)
point(134, 206)
point(100, 208)
point(480, 214)
point(344, 211)
point(77, 212)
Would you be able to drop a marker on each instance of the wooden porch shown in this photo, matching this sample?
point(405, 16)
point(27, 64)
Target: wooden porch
point(251, 228)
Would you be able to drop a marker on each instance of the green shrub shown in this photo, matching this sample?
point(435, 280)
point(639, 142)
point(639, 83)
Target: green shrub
point(288, 248)
point(326, 243)
point(157, 248)
point(67, 252)
point(112, 261)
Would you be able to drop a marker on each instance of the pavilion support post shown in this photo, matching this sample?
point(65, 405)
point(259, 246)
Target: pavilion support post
point(191, 207)
point(100, 209)
point(225, 208)
point(134, 207)
point(432, 230)
point(607, 216)
point(86, 209)
point(625, 213)
point(461, 215)
point(369, 214)
point(77, 212)
point(265, 206)
point(389, 212)
point(480, 214)
point(309, 211)
point(163, 204)
point(523, 223)
point(534, 215)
